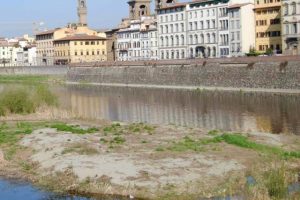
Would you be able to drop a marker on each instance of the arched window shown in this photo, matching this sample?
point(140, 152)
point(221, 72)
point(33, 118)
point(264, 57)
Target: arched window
point(286, 9)
point(177, 40)
point(208, 38)
point(172, 41)
point(294, 8)
point(196, 39)
point(202, 39)
point(182, 54)
point(191, 39)
point(182, 40)
point(167, 41)
point(213, 38)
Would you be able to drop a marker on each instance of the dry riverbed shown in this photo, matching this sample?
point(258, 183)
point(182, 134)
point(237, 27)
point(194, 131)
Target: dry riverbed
point(152, 162)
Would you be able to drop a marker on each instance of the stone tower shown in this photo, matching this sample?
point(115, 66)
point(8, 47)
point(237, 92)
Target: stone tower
point(139, 8)
point(163, 3)
point(82, 12)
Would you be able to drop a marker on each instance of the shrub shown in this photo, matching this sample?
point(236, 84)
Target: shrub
point(16, 101)
point(276, 183)
point(25, 100)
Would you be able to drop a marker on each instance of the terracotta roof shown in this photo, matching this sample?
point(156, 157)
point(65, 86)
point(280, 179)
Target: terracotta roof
point(81, 37)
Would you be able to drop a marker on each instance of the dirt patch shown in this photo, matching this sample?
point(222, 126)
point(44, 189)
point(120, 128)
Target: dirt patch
point(138, 159)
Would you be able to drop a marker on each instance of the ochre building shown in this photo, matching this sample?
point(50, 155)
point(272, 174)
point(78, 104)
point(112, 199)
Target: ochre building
point(79, 48)
point(268, 25)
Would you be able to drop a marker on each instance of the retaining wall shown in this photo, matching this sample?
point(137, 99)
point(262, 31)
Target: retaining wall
point(269, 75)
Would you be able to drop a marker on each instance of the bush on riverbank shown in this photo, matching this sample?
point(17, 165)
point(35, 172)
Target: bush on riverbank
point(21, 100)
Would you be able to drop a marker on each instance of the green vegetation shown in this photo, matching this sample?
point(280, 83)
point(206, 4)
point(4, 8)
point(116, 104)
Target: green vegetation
point(23, 79)
point(118, 140)
point(73, 128)
point(25, 100)
point(276, 183)
point(244, 142)
point(189, 144)
point(118, 129)
point(81, 149)
point(253, 52)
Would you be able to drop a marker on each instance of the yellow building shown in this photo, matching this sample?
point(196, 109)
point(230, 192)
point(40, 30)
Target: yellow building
point(79, 48)
point(268, 25)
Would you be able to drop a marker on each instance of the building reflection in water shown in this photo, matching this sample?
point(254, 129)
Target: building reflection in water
point(230, 111)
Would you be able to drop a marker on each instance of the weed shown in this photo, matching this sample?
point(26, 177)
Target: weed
point(159, 149)
point(118, 140)
point(81, 149)
point(73, 129)
point(276, 183)
point(213, 132)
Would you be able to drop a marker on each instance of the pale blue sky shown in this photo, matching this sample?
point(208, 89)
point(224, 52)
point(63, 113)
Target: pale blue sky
point(17, 16)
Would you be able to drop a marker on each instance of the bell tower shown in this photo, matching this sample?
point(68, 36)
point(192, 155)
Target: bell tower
point(139, 8)
point(82, 12)
point(164, 3)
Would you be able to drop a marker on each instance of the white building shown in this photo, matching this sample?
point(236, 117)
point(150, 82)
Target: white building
point(27, 56)
point(8, 52)
point(291, 27)
point(138, 41)
point(208, 29)
point(241, 27)
point(171, 24)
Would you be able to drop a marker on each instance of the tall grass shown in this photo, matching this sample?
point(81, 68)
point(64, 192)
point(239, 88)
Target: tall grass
point(25, 100)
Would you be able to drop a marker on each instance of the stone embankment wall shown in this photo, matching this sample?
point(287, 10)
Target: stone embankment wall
point(269, 75)
point(34, 70)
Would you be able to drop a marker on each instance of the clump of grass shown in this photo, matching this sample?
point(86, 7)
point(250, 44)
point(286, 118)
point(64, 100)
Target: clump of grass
point(186, 144)
point(118, 129)
point(25, 100)
point(73, 129)
point(118, 140)
point(244, 142)
point(189, 144)
point(16, 101)
point(81, 149)
point(276, 183)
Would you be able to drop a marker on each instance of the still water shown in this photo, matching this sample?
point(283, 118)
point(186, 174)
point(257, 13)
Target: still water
point(13, 190)
point(228, 111)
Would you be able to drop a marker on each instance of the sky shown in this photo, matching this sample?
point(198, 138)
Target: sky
point(17, 16)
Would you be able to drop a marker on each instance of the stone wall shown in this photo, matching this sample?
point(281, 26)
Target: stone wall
point(269, 75)
point(34, 70)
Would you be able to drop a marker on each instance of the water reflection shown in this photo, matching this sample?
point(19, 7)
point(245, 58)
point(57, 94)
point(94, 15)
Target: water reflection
point(212, 110)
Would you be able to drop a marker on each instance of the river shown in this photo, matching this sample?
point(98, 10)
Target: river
point(228, 111)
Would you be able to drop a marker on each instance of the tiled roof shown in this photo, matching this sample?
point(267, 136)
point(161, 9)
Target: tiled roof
point(80, 37)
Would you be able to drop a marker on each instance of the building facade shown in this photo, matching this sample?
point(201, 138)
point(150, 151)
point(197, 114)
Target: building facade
point(138, 41)
point(241, 27)
point(26, 56)
point(208, 33)
point(8, 52)
point(79, 48)
point(291, 27)
point(172, 31)
point(268, 26)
